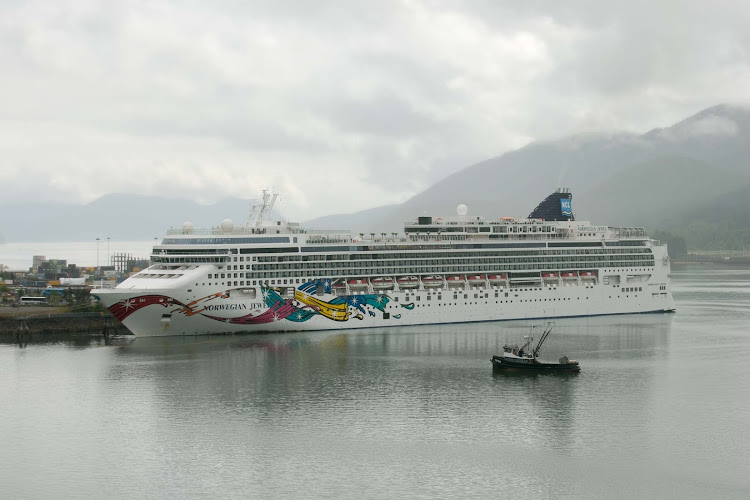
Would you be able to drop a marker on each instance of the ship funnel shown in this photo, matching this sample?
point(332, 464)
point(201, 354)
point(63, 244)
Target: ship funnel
point(555, 207)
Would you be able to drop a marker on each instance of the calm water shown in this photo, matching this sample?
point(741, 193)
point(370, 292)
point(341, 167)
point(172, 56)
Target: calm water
point(660, 410)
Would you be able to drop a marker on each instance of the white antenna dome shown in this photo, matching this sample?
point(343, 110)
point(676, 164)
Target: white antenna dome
point(187, 227)
point(462, 210)
point(227, 225)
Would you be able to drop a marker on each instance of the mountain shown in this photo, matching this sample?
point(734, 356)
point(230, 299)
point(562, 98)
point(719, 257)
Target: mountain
point(719, 224)
point(656, 192)
point(365, 218)
point(651, 180)
point(595, 167)
point(121, 216)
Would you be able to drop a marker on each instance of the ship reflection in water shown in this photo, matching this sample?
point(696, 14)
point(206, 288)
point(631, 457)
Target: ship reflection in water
point(366, 379)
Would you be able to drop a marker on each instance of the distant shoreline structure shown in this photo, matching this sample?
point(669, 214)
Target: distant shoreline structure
point(715, 257)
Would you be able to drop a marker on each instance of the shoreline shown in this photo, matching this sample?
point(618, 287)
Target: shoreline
point(25, 322)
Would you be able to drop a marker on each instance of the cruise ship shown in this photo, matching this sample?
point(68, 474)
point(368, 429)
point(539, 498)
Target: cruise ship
point(276, 276)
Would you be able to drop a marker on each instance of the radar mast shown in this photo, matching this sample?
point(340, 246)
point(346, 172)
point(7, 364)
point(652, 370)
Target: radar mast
point(260, 211)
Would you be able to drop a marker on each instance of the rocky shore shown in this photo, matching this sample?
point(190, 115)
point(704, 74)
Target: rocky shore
point(48, 320)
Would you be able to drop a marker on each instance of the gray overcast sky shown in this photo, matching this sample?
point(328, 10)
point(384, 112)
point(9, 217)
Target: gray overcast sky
point(340, 106)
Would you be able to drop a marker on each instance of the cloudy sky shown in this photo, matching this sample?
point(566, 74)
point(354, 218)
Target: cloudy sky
point(340, 106)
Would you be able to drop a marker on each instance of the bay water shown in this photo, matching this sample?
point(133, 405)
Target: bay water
point(661, 409)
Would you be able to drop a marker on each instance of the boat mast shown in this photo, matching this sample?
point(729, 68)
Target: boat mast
point(546, 333)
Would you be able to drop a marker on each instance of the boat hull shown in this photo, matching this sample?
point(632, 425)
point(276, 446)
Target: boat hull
point(503, 364)
point(170, 311)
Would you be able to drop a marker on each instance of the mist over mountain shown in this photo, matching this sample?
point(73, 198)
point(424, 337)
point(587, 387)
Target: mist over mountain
point(656, 192)
point(620, 178)
point(655, 180)
point(718, 224)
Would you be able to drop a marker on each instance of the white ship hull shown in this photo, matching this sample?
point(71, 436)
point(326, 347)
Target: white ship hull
point(402, 308)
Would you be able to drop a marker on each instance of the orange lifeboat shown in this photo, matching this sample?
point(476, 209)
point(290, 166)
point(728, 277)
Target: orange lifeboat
point(382, 283)
point(432, 281)
point(456, 281)
point(358, 283)
point(477, 279)
point(408, 282)
point(496, 279)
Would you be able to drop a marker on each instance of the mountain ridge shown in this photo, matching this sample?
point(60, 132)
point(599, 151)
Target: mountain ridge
point(703, 155)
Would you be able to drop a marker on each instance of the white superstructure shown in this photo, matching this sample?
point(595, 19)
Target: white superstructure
point(269, 276)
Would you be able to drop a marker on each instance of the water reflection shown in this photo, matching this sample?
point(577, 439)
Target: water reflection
point(366, 379)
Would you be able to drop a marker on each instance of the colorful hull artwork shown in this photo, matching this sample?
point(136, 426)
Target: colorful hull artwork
point(301, 308)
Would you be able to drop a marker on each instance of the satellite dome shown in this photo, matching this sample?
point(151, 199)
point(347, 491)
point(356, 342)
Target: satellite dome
point(187, 227)
point(227, 225)
point(462, 210)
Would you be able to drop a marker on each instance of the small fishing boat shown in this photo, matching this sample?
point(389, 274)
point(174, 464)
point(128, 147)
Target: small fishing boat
point(524, 358)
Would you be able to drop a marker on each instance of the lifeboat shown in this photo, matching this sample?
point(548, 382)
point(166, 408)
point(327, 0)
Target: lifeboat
point(496, 279)
point(477, 279)
point(384, 283)
point(408, 282)
point(339, 285)
point(569, 275)
point(590, 275)
point(550, 276)
point(358, 283)
point(456, 281)
point(432, 281)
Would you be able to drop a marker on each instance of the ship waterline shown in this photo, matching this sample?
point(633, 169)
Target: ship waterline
point(273, 276)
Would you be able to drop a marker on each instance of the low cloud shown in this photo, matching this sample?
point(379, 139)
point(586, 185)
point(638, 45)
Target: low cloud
point(343, 105)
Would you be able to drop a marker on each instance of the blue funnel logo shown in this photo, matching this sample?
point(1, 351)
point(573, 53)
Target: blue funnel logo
point(565, 207)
